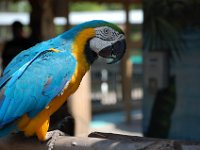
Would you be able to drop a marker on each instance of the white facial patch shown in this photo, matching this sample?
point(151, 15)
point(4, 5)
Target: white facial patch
point(97, 44)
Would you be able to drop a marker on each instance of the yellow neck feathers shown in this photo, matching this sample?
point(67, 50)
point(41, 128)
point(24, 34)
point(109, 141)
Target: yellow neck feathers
point(78, 47)
point(82, 67)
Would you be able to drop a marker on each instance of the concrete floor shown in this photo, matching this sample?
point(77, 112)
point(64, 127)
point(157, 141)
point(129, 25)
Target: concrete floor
point(113, 122)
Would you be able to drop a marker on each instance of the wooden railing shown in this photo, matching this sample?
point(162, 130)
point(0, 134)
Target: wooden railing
point(97, 141)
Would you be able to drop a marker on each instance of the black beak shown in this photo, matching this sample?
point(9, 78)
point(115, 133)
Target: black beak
point(114, 52)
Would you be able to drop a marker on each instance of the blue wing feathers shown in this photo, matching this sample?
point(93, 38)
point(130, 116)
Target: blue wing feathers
point(26, 88)
point(10, 89)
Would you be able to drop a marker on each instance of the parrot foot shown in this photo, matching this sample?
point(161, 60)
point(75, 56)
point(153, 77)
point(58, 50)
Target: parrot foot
point(52, 137)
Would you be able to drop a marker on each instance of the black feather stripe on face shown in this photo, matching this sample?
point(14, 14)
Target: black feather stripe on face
point(91, 56)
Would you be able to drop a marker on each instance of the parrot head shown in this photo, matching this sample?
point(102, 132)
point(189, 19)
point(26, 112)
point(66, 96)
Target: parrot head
point(107, 41)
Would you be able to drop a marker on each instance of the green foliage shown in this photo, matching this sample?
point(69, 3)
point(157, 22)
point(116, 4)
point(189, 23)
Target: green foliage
point(136, 36)
point(113, 6)
point(163, 22)
point(59, 29)
point(21, 6)
point(92, 6)
point(164, 105)
point(87, 6)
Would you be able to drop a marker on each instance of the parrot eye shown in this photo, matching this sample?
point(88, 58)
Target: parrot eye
point(106, 32)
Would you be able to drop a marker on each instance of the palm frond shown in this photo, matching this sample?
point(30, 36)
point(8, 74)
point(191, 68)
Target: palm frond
point(162, 31)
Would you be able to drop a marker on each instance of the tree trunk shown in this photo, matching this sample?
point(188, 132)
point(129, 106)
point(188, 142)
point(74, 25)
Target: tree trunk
point(41, 20)
point(126, 70)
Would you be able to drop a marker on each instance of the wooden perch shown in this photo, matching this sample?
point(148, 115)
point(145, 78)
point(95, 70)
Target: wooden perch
point(97, 141)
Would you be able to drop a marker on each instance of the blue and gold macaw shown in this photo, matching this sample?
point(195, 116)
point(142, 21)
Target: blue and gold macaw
point(40, 79)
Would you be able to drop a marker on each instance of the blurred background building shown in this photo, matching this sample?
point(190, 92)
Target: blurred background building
point(154, 91)
point(171, 34)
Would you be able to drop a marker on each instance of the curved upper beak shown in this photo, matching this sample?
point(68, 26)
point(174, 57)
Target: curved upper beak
point(114, 52)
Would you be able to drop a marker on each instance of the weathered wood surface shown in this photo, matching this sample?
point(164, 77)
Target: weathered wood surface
point(98, 141)
point(149, 143)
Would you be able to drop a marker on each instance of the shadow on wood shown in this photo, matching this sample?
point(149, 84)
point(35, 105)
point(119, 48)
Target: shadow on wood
point(19, 142)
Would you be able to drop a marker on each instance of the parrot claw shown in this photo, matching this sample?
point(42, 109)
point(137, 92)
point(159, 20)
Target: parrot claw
point(52, 137)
